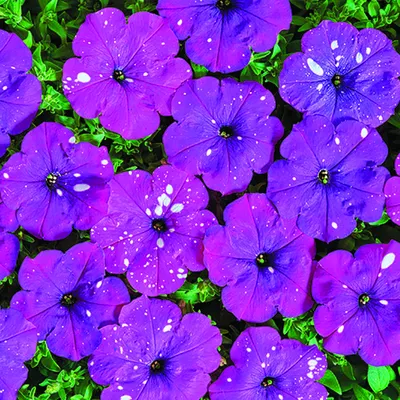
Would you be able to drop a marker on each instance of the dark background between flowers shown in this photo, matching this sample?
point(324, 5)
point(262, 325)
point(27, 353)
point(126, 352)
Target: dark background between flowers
point(48, 28)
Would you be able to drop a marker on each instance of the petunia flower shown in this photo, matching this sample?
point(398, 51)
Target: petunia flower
point(155, 228)
point(266, 367)
point(18, 340)
point(224, 132)
point(20, 93)
point(392, 193)
point(155, 353)
point(67, 298)
point(55, 184)
point(221, 32)
point(264, 262)
point(359, 299)
point(329, 176)
point(343, 73)
point(126, 73)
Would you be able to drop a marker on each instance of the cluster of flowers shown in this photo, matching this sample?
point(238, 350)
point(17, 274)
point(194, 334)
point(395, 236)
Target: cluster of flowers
point(154, 227)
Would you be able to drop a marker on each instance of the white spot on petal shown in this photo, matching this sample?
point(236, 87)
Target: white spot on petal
point(334, 225)
point(176, 208)
point(104, 162)
point(180, 22)
point(81, 187)
point(368, 50)
point(384, 302)
point(340, 329)
point(169, 189)
point(59, 192)
point(208, 152)
point(88, 313)
point(126, 262)
point(359, 58)
point(160, 243)
point(316, 68)
point(83, 77)
point(364, 132)
point(6, 175)
point(334, 45)
point(388, 260)
point(167, 328)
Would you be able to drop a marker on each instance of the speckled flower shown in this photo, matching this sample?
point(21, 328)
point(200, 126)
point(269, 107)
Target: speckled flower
point(155, 228)
point(329, 176)
point(359, 300)
point(342, 74)
point(265, 262)
point(55, 184)
point(221, 32)
point(67, 298)
point(155, 353)
point(266, 367)
point(224, 131)
point(17, 344)
point(20, 93)
point(392, 193)
point(126, 73)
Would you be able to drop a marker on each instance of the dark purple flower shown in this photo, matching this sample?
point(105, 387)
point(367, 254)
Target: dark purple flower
point(67, 298)
point(264, 261)
point(55, 184)
point(126, 73)
point(359, 300)
point(392, 193)
point(155, 228)
point(343, 74)
point(329, 177)
point(224, 132)
point(156, 353)
point(221, 32)
point(20, 93)
point(267, 367)
point(18, 340)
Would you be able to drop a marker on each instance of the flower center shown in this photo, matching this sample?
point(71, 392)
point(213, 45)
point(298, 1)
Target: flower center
point(68, 300)
point(323, 176)
point(157, 366)
point(336, 80)
point(224, 4)
point(119, 75)
point(51, 179)
point(159, 225)
point(226, 132)
point(262, 260)
point(363, 299)
point(267, 382)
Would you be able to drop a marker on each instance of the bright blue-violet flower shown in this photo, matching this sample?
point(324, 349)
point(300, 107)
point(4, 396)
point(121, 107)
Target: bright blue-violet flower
point(20, 93)
point(342, 74)
point(329, 176)
point(55, 184)
point(155, 353)
point(126, 73)
point(392, 193)
point(264, 262)
point(155, 228)
point(67, 298)
point(18, 340)
point(266, 367)
point(223, 131)
point(221, 32)
point(359, 301)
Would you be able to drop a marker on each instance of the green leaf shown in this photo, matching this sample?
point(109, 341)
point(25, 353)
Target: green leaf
point(385, 218)
point(373, 8)
point(199, 70)
point(362, 394)
point(331, 382)
point(378, 378)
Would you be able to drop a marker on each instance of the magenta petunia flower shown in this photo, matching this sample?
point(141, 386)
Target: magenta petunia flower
point(67, 298)
point(221, 32)
point(392, 193)
point(224, 132)
point(343, 73)
point(126, 73)
point(359, 301)
point(155, 353)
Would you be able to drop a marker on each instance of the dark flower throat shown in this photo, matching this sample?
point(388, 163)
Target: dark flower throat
point(119, 75)
point(51, 179)
point(337, 80)
point(226, 132)
point(157, 366)
point(159, 225)
point(323, 176)
point(263, 260)
point(364, 299)
point(267, 382)
point(224, 4)
point(68, 300)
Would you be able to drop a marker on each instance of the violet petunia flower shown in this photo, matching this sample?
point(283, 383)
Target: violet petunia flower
point(155, 228)
point(264, 261)
point(342, 74)
point(359, 299)
point(20, 93)
point(67, 298)
point(18, 339)
point(155, 353)
point(392, 193)
point(329, 176)
point(266, 367)
point(126, 73)
point(224, 132)
point(55, 184)
point(221, 32)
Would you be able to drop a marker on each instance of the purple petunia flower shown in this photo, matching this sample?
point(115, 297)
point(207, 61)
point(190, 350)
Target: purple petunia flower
point(18, 340)
point(156, 353)
point(392, 193)
point(221, 32)
point(56, 184)
point(224, 132)
point(359, 300)
point(126, 73)
point(20, 93)
point(265, 261)
point(267, 367)
point(155, 228)
point(67, 298)
point(330, 176)
point(343, 74)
